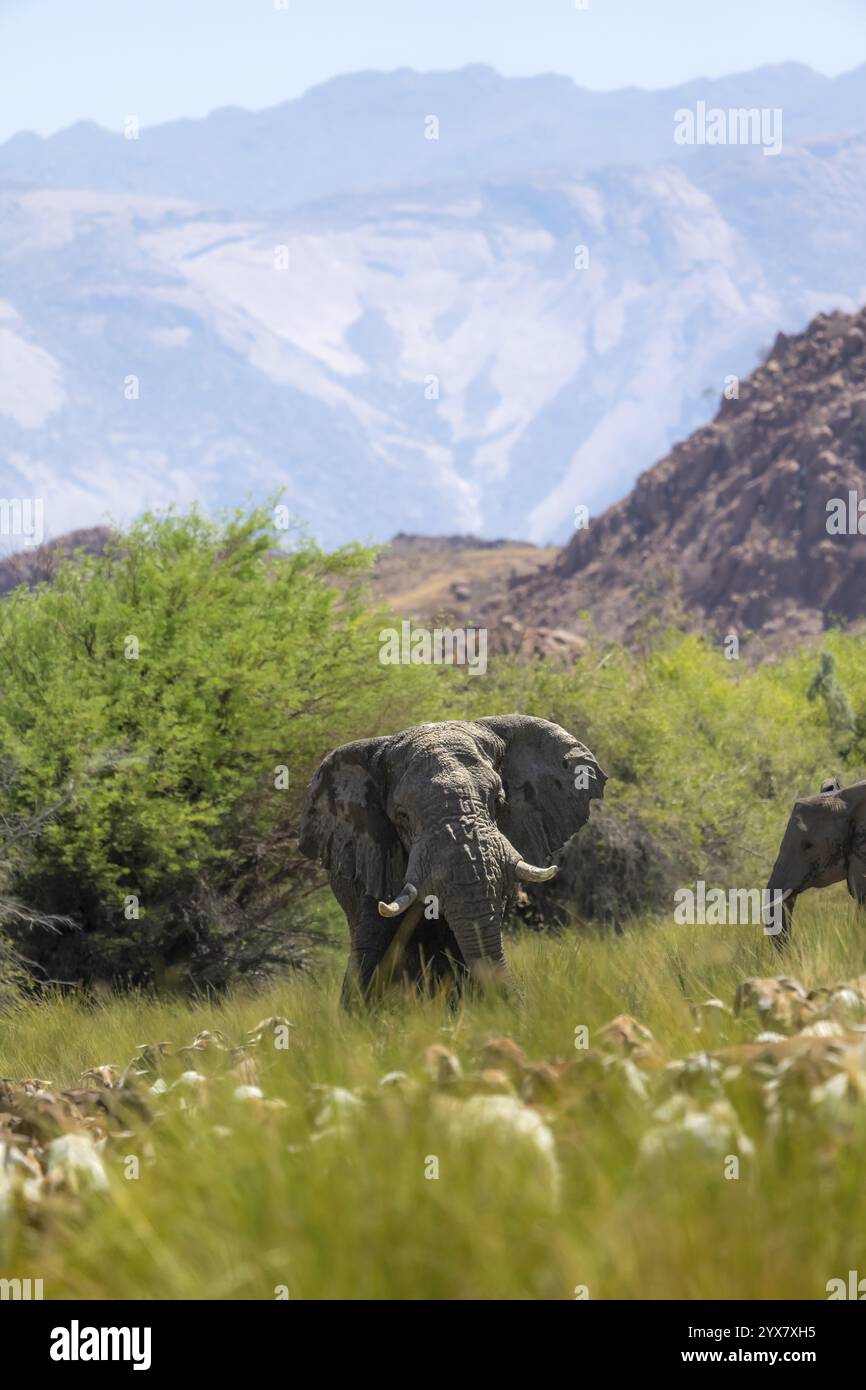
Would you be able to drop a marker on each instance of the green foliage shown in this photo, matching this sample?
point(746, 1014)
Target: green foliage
point(840, 715)
point(150, 697)
point(153, 775)
point(705, 755)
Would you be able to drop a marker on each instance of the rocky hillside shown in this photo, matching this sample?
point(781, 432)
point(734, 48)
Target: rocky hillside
point(38, 564)
point(461, 580)
point(733, 523)
point(730, 530)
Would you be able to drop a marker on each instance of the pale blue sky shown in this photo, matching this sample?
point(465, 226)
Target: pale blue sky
point(64, 60)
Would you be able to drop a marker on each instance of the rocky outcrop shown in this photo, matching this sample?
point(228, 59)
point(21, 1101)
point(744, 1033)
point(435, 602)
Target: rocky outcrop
point(734, 527)
point(732, 532)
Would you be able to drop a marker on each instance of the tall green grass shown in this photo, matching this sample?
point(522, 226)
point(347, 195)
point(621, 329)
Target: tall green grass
point(234, 1201)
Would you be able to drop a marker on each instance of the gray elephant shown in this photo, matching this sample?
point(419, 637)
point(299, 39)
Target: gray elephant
point(424, 835)
point(824, 843)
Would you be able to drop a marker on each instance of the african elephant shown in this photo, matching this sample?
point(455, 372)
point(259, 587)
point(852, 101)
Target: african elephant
point(434, 826)
point(824, 843)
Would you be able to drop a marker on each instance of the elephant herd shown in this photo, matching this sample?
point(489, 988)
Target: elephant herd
point(425, 835)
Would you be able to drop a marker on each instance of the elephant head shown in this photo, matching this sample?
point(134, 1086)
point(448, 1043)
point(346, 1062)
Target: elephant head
point(824, 843)
point(450, 815)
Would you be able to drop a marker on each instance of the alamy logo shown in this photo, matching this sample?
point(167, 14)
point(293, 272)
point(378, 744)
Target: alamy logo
point(737, 126)
point(22, 516)
point(855, 1287)
point(719, 907)
point(20, 1289)
point(846, 517)
point(439, 646)
point(76, 1343)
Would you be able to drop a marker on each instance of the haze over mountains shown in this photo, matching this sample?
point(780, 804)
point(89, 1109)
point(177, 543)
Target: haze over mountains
point(425, 355)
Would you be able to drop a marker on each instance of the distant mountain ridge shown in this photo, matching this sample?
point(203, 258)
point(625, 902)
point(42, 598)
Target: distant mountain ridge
point(365, 132)
point(400, 333)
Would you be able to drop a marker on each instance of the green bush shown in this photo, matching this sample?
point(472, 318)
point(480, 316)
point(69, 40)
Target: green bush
point(705, 757)
point(151, 695)
point(150, 698)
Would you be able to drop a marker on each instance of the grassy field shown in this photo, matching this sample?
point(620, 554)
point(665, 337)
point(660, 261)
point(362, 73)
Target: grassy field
point(236, 1200)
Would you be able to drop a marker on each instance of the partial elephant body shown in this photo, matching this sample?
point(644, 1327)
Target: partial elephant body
point(824, 843)
point(424, 835)
point(411, 949)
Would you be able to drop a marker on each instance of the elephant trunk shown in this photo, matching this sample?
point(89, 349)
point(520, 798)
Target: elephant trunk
point(474, 881)
point(463, 859)
point(478, 929)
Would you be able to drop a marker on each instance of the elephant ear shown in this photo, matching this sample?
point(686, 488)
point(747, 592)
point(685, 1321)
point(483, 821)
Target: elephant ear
point(550, 779)
point(855, 799)
point(344, 823)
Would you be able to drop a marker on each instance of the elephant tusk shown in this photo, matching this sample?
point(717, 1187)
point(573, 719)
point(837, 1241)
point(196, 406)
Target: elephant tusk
point(780, 895)
point(528, 873)
point(400, 903)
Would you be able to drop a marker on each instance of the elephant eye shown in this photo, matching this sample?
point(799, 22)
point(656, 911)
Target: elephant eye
point(807, 844)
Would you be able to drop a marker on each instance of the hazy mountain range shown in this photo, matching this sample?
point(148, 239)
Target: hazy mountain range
point(399, 330)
